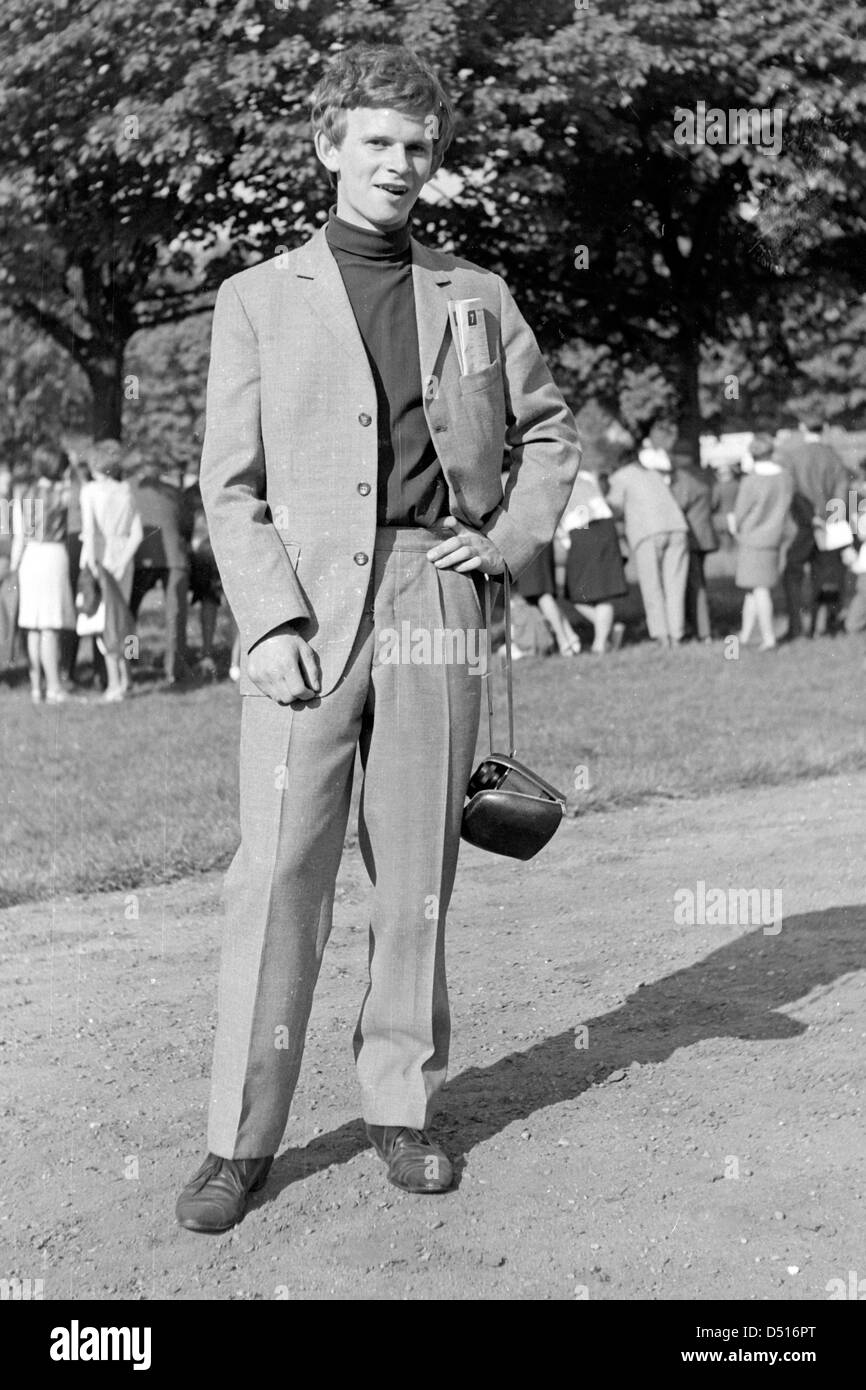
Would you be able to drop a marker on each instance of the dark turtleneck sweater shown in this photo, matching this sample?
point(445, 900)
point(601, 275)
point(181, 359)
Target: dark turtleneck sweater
point(377, 272)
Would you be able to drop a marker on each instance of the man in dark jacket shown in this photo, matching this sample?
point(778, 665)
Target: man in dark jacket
point(820, 477)
point(693, 491)
point(163, 558)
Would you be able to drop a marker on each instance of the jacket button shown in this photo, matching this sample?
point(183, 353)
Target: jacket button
point(365, 418)
point(364, 489)
point(361, 558)
point(439, 429)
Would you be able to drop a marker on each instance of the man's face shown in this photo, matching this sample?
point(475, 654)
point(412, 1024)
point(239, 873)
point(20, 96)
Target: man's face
point(663, 436)
point(383, 163)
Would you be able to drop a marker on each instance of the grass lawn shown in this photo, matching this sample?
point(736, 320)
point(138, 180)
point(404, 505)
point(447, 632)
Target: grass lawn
point(99, 797)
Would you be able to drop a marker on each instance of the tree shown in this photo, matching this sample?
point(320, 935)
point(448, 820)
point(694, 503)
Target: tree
point(120, 138)
point(145, 153)
point(651, 248)
point(167, 371)
point(40, 397)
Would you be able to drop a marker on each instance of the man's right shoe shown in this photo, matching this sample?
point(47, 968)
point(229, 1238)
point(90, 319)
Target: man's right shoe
point(215, 1198)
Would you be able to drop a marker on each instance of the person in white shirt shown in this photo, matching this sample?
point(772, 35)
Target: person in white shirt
point(111, 532)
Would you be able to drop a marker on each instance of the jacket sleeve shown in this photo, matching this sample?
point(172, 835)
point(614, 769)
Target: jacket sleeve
point(542, 440)
point(259, 579)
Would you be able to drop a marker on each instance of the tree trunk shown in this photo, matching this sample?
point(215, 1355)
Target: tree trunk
point(106, 384)
point(689, 417)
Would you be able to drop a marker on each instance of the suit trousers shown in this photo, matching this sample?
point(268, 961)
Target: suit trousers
point(801, 552)
point(662, 564)
point(413, 715)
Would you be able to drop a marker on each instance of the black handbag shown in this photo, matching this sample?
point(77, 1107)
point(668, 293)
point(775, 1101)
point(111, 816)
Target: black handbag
point(511, 810)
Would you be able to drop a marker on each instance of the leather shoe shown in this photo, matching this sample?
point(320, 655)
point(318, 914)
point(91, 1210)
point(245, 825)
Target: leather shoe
point(215, 1198)
point(414, 1162)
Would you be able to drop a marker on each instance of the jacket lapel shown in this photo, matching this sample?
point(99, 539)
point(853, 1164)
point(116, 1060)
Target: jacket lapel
point(433, 288)
point(321, 282)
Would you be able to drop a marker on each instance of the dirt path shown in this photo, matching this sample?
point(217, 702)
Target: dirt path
point(708, 1141)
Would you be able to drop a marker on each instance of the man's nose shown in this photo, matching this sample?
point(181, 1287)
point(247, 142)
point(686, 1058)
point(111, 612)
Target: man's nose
point(398, 160)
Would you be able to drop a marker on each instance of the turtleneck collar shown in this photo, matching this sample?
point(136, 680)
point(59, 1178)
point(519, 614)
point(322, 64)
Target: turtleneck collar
point(391, 245)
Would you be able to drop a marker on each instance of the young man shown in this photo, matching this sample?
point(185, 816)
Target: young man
point(351, 477)
point(657, 536)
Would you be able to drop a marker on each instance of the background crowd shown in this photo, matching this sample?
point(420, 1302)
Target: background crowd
point(790, 513)
point(84, 540)
point(720, 284)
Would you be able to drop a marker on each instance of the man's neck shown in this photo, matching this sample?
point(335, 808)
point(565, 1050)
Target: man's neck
point(347, 214)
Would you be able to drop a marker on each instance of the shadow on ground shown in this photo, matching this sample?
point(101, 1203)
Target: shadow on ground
point(732, 993)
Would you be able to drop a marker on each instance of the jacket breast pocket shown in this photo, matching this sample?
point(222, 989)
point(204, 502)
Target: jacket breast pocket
point(479, 420)
point(483, 380)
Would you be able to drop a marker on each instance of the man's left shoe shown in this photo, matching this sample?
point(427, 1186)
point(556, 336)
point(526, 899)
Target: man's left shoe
point(414, 1162)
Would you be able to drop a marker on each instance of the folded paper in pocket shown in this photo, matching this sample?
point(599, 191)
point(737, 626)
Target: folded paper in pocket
point(470, 334)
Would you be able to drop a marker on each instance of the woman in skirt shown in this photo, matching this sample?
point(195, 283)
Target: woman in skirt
point(594, 574)
point(537, 585)
point(45, 606)
point(762, 524)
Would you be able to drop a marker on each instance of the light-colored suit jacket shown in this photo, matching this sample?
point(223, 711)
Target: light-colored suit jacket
point(288, 473)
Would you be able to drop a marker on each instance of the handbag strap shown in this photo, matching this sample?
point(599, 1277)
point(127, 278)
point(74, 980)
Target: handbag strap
point(509, 700)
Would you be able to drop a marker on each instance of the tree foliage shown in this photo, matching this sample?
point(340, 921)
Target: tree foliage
point(146, 152)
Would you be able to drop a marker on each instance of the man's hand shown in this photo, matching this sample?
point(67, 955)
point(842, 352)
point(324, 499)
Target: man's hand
point(466, 550)
point(284, 666)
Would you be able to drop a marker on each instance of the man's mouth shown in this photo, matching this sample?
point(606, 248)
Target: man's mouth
point(398, 189)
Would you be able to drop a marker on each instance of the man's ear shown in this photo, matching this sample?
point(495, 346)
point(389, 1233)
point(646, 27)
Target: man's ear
point(327, 151)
